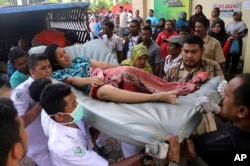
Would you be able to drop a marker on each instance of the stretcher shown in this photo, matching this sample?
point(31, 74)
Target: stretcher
point(145, 123)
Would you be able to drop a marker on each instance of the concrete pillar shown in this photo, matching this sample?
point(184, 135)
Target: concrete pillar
point(140, 5)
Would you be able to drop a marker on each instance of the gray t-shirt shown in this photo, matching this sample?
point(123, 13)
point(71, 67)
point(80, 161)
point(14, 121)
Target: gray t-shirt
point(154, 52)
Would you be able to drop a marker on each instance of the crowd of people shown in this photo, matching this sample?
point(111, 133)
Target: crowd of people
point(159, 61)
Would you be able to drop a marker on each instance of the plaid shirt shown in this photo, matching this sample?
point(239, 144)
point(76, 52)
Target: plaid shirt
point(178, 73)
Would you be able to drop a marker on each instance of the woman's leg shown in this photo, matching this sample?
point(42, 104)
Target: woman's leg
point(111, 93)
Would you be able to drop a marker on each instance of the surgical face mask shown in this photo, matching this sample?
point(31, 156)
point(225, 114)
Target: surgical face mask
point(77, 114)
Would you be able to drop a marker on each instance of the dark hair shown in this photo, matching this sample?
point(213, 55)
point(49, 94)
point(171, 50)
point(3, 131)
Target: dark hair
point(33, 58)
point(147, 28)
point(52, 98)
point(50, 52)
point(242, 92)
point(204, 21)
point(199, 5)
point(162, 19)
point(71, 36)
point(172, 22)
point(148, 21)
point(218, 10)
point(151, 10)
point(36, 88)
point(9, 128)
point(121, 7)
point(194, 39)
point(185, 29)
point(16, 53)
point(109, 24)
point(136, 22)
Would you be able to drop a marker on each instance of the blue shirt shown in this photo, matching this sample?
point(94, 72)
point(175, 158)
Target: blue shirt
point(154, 21)
point(97, 28)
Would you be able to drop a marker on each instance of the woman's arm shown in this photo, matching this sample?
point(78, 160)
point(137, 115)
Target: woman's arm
point(80, 82)
point(102, 65)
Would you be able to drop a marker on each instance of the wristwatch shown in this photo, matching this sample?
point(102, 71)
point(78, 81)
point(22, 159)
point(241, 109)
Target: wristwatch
point(146, 160)
point(173, 163)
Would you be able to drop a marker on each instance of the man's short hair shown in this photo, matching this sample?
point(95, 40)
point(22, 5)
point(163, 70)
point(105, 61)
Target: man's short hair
point(136, 22)
point(204, 21)
point(194, 39)
point(147, 28)
point(36, 88)
point(151, 10)
point(148, 21)
point(34, 58)
point(121, 7)
point(242, 92)
point(16, 53)
point(172, 22)
point(109, 24)
point(9, 128)
point(185, 29)
point(52, 98)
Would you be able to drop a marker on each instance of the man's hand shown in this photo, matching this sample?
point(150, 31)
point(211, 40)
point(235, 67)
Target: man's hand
point(188, 149)
point(208, 105)
point(174, 149)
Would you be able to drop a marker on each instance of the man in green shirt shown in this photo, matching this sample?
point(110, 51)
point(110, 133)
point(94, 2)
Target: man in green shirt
point(18, 58)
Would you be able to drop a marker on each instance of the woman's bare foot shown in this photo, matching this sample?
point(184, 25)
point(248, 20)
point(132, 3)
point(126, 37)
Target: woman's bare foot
point(169, 97)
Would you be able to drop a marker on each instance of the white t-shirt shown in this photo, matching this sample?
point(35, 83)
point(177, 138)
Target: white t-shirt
point(114, 44)
point(130, 16)
point(123, 20)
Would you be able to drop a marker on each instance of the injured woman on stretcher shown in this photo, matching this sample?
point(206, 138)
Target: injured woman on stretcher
point(121, 84)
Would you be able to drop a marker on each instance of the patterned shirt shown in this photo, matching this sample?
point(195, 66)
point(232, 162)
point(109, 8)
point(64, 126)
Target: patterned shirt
point(80, 67)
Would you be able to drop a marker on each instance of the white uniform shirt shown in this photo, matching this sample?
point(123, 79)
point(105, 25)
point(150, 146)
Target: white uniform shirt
point(168, 62)
point(37, 141)
point(114, 44)
point(69, 147)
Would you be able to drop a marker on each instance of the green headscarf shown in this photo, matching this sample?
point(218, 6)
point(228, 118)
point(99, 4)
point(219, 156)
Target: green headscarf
point(136, 52)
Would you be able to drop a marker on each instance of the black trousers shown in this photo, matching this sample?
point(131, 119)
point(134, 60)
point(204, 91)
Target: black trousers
point(235, 62)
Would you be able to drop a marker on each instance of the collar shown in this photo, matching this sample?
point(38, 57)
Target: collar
point(203, 63)
point(30, 79)
point(65, 130)
point(206, 38)
point(175, 60)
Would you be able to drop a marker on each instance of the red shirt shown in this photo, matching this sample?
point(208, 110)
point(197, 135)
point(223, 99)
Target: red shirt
point(163, 45)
